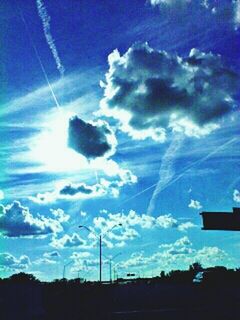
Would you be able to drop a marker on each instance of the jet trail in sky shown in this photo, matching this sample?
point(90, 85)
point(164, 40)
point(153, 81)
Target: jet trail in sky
point(166, 171)
point(43, 14)
point(185, 170)
point(40, 62)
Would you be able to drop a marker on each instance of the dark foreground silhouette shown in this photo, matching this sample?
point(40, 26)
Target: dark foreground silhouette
point(194, 294)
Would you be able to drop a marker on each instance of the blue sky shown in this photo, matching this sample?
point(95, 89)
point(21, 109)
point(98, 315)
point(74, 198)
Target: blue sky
point(118, 112)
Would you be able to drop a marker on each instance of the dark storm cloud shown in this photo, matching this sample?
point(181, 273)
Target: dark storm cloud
point(159, 90)
point(17, 221)
point(92, 140)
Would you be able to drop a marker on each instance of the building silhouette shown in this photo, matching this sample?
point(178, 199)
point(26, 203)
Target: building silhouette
point(221, 220)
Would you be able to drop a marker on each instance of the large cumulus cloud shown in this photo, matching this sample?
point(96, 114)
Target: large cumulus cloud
point(17, 221)
point(92, 140)
point(151, 91)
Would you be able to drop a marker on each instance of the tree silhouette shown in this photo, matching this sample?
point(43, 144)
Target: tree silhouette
point(23, 277)
point(196, 267)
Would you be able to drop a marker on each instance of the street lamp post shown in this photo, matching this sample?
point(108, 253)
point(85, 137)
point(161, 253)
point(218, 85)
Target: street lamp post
point(100, 258)
point(110, 261)
point(64, 268)
point(99, 237)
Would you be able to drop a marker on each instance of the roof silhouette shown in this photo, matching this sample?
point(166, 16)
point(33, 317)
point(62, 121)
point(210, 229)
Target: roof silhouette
point(221, 220)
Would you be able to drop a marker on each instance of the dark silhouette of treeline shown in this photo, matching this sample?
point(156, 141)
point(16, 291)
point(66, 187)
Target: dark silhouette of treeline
point(196, 293)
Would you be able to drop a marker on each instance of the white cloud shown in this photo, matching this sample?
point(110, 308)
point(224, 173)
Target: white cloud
point(186, 225)
point(44, 261)
point(166, 221)
point(17, 221)
point(168, 2)
point(83, 213)
point(60, 215)
point(9, 262)
point(80, 255)
point(194, 204)
point(236, 4)
point(181, 242)
point(52, 254)
point(1, 195)
point(236, 196)
point(184, 241)
point(210, 255)
point(232, 7)
point(68, 241)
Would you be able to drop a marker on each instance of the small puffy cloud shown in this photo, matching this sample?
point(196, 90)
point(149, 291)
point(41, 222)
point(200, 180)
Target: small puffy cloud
point(166, 221)
point(168, 2)
point(210, 255)
point(48, 258)
point(52, 254)
point(80, 255)
point(68, 241)
point(151, 92)
point(194, 204)
point(60, 215)
point(18, 221)
point(137, 259)
point(236, 196)
point(9, 262)
point(83, 261)
point(104, 188)
point(93, 139)
point(1, 195)
point(181, 246)
point(236, 5)
point(182, 242)
point(44, 261)
point(224, 9)
point(186, 225)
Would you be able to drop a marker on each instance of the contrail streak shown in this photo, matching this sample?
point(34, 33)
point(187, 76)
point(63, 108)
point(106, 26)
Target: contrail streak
point(40, 62)
point(43, 14)
point(222, 147)
point(96, 176)
point(166, 171)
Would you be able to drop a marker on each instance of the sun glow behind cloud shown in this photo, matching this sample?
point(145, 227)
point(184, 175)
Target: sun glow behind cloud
point(50, 149)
